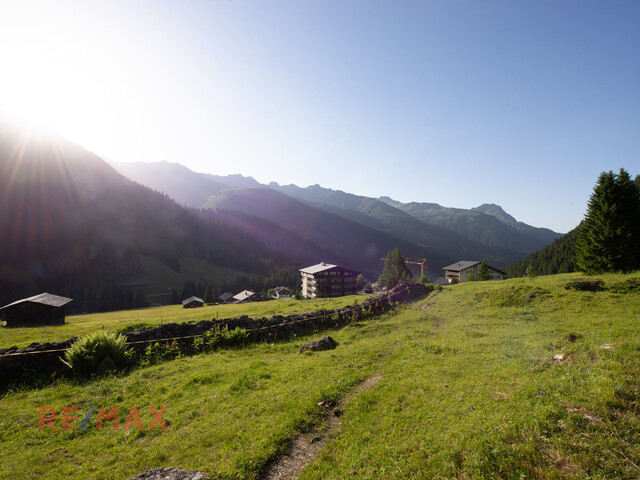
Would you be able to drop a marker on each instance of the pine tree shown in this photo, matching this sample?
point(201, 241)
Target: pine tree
point(395, 270)
point(483, 271)
point(209, 294)
point(609, 237)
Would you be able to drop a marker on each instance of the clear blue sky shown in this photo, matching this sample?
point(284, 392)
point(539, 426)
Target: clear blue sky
point(519, 103)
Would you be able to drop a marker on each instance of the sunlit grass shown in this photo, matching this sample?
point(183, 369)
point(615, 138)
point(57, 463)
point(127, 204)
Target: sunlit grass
point(468, 389)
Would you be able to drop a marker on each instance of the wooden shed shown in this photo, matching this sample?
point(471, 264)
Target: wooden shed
point(43, 309)
point(193, 302)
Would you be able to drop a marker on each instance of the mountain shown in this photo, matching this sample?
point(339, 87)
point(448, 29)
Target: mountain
point(496, 211)
point(382, 216)
point(183, 185)
point(360, 245)
point(485, 232)
point(488, 225)
point(75, 227)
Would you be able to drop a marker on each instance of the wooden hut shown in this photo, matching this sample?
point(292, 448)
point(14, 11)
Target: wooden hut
point(43, 309)
point(193, 302)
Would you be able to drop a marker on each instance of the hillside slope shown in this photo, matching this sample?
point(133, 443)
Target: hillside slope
point(386, 218)
point(488, 225)
point(361, 245)
point(557, 257)
point(452, 234)
point(74, 226)
point(515, 379)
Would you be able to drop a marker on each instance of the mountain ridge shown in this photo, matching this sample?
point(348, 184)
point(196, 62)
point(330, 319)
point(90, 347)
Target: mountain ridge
point(484, 232)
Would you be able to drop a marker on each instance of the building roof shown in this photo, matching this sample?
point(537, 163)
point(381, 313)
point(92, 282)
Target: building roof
point(320, 267)
point(280, 289)
point(243, 295)
point(225, 296)
point(464, 264)
point(192, 299)
point(461, 265)
point(43, 299)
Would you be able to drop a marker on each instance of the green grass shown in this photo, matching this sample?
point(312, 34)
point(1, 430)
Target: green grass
point(77, 325)
point(468, 390)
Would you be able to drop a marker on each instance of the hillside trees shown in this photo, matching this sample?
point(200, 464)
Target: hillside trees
point(395, 270)
point(483, 271)
point(609, 237)
point(557, 257)
point(209, 294)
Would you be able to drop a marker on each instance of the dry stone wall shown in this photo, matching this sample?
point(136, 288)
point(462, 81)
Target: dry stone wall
point(45, 360)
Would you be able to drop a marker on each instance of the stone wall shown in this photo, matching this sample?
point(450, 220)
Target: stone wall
point(44, 360)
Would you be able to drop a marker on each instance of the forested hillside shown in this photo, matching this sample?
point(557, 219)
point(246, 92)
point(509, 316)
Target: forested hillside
point(74, 226)
point(558, 257)
point(442, 235)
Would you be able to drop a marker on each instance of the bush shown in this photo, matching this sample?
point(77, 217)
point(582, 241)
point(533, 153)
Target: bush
point(86, 353)
point(585, 285)
point(155, 352)
point(215, 338)
point(631, 285)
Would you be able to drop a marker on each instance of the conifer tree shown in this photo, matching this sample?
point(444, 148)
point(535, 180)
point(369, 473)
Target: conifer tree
point(483, 271)
point(609, 237)
point(209, 294)
point(395, 270)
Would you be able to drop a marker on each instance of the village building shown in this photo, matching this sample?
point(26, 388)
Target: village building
point(325, 280)
point(226, 297)
point(245, 296)
point(43, 309)
point(282, 292)
point(465, 270)
point(193, 302)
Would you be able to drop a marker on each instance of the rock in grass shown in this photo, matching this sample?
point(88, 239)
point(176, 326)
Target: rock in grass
point(170, 473)
point(105, 366)
point(325, 343)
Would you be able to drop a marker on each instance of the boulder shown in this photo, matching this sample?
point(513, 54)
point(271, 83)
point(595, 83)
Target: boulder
point(106, 365)
point(325, 343)
point(170, 473)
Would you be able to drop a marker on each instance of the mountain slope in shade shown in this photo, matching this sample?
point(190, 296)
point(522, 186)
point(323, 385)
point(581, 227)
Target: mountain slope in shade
point(495, 229)
point(394, 221)
point(72, 225)
point(361, 245)
point(557, 257)
point(183, 185)
point(486, 232)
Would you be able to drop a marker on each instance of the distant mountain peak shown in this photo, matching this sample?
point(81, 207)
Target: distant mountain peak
point(495, 211)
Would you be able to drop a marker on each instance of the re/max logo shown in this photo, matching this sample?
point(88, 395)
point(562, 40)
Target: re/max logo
point(48, 417)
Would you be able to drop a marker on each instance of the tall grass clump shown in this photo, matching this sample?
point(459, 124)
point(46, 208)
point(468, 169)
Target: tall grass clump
point(85, 354)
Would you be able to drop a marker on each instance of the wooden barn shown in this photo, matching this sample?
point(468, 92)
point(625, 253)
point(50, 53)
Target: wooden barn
point(193, 302)
point(43, 309)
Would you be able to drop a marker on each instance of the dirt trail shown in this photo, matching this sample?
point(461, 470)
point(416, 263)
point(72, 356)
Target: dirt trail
point(306, 446)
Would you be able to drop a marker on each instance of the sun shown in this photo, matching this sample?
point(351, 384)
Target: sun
point(60, 74)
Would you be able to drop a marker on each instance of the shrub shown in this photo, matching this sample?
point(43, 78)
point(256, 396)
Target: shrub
point(585, 285)
point(157, 351)
point(216, 338)
point(86, 353)
point(632, 285)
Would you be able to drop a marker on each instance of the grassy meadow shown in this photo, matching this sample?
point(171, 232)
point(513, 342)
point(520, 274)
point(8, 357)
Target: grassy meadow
point(76, 325)
point(469, 389)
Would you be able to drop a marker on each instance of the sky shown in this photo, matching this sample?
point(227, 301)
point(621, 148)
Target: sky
point(460, 103)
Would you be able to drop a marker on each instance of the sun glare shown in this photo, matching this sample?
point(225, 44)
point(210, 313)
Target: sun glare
point(57, 76)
